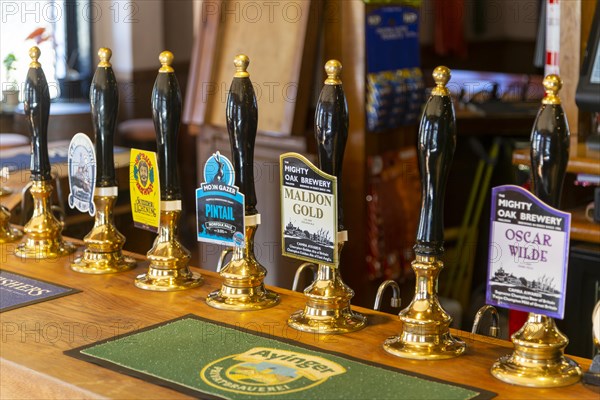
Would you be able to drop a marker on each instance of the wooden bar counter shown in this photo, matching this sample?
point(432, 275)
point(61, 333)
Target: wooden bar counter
point(34, 337)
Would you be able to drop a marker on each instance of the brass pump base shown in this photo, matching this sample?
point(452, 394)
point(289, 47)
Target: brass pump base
point(8, 233)
point(243, 288)
point(242, 298)
point(102, 263)
point(168, 270)
point(538, 359)
point(425, 325)
point(103, 244)
point(168, 280)
point(327, 308)
point(43, 237)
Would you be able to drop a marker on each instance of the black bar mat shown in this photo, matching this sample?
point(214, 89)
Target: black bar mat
point(18, 290)
point(210, 359)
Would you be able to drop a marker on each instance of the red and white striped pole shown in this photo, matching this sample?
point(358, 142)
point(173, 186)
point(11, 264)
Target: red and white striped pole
point(552, 37)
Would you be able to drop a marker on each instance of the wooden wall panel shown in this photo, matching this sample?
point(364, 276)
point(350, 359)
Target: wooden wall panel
point(570, 60)
point(279, 38)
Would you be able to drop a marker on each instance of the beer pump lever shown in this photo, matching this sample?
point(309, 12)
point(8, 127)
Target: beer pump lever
point(169, 259)
point(104, 243)
point(328, 308)
point(243, 288)
point(43, 232)
point(425, 325)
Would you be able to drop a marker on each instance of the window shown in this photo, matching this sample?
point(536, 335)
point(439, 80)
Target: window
point(62, 31)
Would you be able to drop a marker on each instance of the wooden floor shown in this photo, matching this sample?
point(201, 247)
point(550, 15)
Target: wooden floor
point(34, 337)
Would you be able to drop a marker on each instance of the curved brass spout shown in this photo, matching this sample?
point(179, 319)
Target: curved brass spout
point(222, 257)
point(495, 328)
point(396, 300)
point(301, 268)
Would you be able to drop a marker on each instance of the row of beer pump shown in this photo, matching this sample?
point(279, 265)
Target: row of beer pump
point(538, 358)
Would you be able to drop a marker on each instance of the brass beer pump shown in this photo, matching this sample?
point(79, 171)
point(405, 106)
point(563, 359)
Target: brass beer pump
point(243, 288)
point(8, 233)
point(538, 359)
point(43, 238)
point(425, 331)
point(4, 191)
point(327, 308)
point(104, 243)
point(592, 376)
point(168, 269)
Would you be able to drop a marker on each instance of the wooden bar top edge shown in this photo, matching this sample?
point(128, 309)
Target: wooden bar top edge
point(581, 160)
point(35, 336)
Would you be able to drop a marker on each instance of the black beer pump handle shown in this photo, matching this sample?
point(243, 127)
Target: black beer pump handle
point(331, 129)
point(166, 112)
point(242, 121)
point(104, 101)
point(436, 145)
point(549, 145)
point(37, 109)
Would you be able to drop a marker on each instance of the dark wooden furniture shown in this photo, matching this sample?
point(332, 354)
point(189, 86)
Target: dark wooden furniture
point(66, 119)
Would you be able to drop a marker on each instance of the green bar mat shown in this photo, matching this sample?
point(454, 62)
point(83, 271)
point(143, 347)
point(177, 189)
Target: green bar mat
point(209, 359)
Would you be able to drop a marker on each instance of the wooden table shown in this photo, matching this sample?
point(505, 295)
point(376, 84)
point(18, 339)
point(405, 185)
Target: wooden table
point(19, 178)
point(581, 161)
point(65, 119)
point(34, 337)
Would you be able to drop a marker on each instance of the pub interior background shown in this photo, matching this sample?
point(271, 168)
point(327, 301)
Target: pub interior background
point(494, 48)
